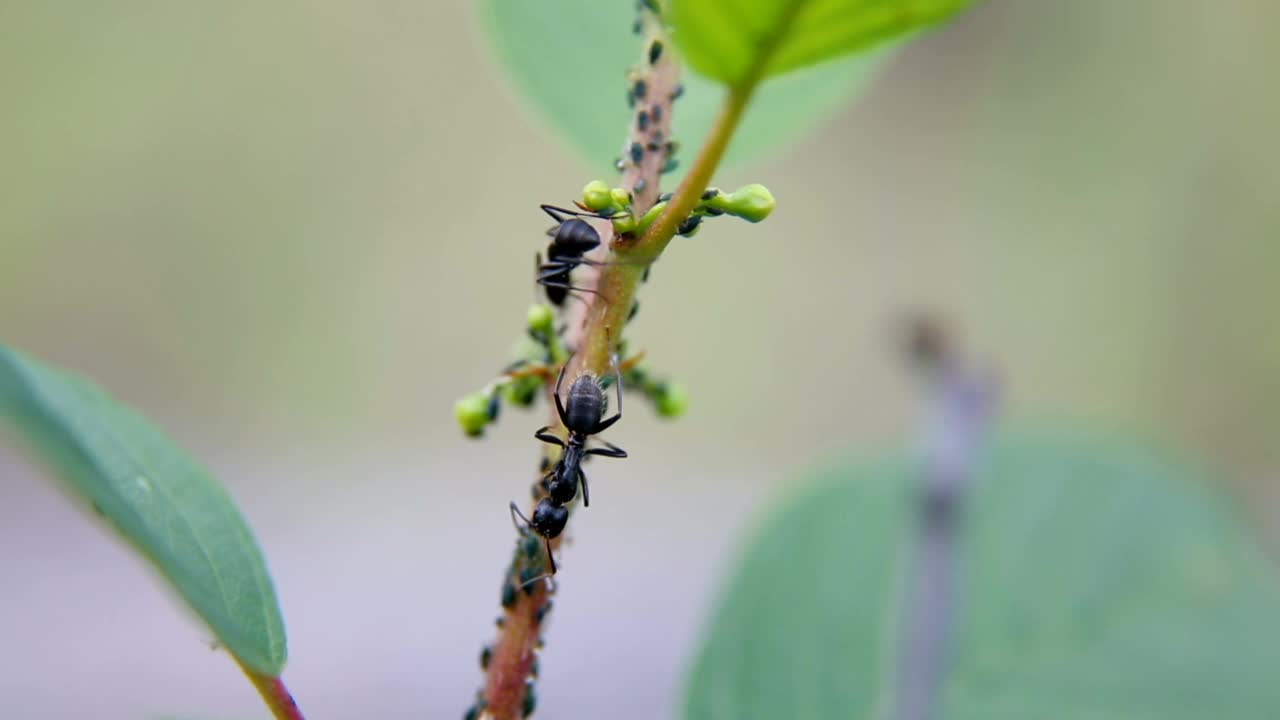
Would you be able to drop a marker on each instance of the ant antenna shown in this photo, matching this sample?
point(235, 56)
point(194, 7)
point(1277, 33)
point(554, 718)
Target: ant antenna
point(524, 532)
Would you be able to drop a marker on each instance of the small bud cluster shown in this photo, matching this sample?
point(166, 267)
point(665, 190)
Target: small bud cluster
point(536, 351)
point(752, 203)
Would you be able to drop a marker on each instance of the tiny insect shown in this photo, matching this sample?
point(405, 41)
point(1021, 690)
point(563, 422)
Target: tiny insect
point(583, 416)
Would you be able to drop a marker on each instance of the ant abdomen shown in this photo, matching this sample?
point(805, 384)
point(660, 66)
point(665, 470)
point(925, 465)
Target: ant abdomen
point(585, 405)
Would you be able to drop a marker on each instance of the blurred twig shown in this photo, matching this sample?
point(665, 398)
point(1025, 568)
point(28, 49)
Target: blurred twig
point(964, 401)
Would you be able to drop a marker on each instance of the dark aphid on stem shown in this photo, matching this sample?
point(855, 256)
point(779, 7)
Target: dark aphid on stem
point(541, 613)
point(655, 51)
point(530, 701)
point(639, 90)
point(486, 655)
point(675, 94)
point(637, 152)
point(656, 112)
point(689, 225)
point(583, 416)
point(508, 594)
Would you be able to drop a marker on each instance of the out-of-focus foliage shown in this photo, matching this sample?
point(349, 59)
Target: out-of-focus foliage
point(1097, 580)
point(568, 58)
point(736, 42)
point(159, 499)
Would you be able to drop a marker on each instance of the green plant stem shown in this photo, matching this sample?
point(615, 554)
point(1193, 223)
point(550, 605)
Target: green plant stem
point(274, 694)
point(617, 284)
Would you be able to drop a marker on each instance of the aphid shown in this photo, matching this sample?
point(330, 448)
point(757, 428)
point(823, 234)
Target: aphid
point(641, 185)
point(541, 613)
point(508, 594)
point(656, 112)
point(530, 700)
point(675, 94)
point(486, 655)
point(637, 152)
point(689, 225)
point(655, 51)
point(642, 121)
point(582, 415)
point(639, 89)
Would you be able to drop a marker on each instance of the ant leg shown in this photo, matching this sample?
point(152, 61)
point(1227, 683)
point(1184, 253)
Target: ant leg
point(564, 420)
point(586, 496)
point(515, 512)
point(544, 282)
point(609, 450)
point(551, 559)
point(547, 437)
point(560, 214)
point(617, 380)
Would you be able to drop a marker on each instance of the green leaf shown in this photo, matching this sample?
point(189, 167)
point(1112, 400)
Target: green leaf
point(158, 498)
point(1097, 580)
point(569, 59)
point(742, 41)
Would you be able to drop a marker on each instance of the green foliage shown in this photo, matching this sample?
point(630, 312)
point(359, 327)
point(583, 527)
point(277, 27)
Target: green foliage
point(1097, 580)
point(739, 42)
point(569, 59)
point(158, 498)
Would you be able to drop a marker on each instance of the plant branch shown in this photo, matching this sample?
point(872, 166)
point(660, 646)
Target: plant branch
point(274, 694)
point(510, 663)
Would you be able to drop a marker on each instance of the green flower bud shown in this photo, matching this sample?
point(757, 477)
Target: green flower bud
point(597, 195)
point(620, 197)
point(647, 219)
point(752, 203)
point(671, 400)
point(625, 224)
point(521, 392)
point(541, 318)
point(472, 413)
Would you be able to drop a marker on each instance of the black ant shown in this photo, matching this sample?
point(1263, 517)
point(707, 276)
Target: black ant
point(581, 415)
point(572, 238)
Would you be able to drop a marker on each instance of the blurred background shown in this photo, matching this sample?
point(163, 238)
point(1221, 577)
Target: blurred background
point(294, 233)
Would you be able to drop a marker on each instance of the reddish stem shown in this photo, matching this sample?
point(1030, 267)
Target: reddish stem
point(274, 694)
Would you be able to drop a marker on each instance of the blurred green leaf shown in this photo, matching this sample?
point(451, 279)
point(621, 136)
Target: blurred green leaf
point(1097, 580)
point(570, 60)
point(736, 41)
point(159, 499)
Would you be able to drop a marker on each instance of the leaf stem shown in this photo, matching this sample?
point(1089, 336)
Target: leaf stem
point(274, 694)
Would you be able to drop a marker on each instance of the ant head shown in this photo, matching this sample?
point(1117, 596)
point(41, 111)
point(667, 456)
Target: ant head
point(549, 519)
